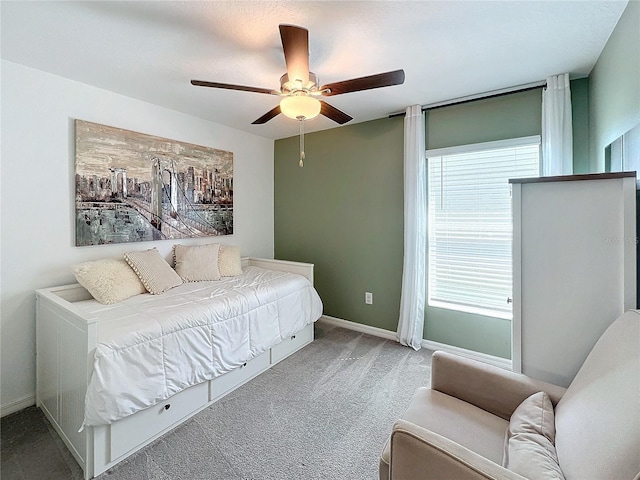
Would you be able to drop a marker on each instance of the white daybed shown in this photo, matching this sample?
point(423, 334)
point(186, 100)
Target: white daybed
point(75, 338)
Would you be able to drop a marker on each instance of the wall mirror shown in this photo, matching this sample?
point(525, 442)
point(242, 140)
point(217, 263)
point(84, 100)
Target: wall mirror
point(623, 154)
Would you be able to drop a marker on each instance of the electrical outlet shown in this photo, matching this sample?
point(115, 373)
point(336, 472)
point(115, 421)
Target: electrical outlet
point(368, 298)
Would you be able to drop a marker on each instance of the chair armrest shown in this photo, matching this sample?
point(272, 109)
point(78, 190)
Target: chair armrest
point(488, 387)
point(420, 454)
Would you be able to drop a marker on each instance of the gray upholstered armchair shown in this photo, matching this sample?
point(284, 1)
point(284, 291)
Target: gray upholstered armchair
point(482, 422)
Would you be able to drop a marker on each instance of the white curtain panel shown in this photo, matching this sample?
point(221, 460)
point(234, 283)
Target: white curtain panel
point(557, 131)
point(414, 274)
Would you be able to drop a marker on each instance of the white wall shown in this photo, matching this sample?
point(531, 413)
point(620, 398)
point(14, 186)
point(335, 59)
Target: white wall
point(37, 197)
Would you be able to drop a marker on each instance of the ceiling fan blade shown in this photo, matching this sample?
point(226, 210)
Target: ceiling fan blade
point(295, 43)
point(333, 113)
point(267, 116)
point(386, 79)
point(229, 86)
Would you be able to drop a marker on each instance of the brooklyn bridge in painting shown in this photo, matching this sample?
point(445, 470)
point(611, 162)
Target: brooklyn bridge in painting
point(133, 187)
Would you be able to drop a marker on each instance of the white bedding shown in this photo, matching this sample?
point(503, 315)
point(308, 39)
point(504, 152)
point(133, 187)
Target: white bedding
point(153, 346)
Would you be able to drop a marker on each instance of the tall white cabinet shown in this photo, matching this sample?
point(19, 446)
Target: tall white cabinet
point(574, 267)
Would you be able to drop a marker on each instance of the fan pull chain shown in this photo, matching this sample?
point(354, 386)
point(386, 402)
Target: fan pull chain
point(301, 162)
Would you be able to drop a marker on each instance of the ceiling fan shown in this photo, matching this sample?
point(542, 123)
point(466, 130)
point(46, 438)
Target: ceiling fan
point(299, 87)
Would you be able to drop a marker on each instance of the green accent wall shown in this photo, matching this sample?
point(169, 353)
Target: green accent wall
point(614, 86)
point(343, 211)
point(580, 121)
point(498, 118)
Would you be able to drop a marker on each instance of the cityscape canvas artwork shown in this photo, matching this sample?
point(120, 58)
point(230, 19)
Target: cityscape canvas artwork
point(132, 187)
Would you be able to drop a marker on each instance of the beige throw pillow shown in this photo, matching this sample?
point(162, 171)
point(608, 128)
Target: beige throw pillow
point(197, 263)
point(154, 272)
point(530, 448)
point(109, 281)
point(229, 261)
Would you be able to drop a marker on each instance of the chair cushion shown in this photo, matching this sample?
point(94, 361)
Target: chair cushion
point(465, 424)
point(598, 419)
point(530, 449)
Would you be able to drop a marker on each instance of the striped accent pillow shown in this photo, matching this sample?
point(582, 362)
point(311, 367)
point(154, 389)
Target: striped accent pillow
point(154, 272)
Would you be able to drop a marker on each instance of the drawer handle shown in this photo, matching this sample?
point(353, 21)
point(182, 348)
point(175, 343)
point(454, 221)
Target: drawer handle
point(293, 337)
point(167, 406)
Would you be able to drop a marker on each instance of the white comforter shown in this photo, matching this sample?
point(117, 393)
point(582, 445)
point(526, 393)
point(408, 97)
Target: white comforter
point(153, 346)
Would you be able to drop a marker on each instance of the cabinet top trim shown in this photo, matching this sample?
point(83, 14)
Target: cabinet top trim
point(573, 178)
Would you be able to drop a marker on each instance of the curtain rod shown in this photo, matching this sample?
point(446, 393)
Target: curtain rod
point(479, 96)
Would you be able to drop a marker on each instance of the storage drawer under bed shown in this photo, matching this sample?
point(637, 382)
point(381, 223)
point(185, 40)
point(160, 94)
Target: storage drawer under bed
point(222, 385)
point(135, 429)
point(292, 344)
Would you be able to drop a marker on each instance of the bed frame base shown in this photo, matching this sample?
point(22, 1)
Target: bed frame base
point(65, 342)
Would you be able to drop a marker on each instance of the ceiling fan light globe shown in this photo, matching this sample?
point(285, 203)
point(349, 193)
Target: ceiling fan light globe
point(300, 106)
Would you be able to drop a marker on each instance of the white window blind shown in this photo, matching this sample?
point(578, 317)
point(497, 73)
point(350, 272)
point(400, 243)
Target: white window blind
point(470, 223)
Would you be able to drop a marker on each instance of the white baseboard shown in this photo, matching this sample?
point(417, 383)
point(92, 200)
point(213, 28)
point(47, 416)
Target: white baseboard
point(428, 344)
point(17, 405)
point(359, 327)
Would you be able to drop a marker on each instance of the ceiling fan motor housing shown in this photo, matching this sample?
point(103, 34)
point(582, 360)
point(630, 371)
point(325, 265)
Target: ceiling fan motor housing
point(291, 87)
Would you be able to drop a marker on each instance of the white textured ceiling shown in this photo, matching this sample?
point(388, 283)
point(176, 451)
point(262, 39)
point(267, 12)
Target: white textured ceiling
point(448, 49)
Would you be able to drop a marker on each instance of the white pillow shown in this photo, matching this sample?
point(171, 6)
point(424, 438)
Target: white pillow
point(229, 261)
point(109, 281)
point(530, 447)
point(154, 272)
point(197, 263)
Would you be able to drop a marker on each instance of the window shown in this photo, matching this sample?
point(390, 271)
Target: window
point(470, 223)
